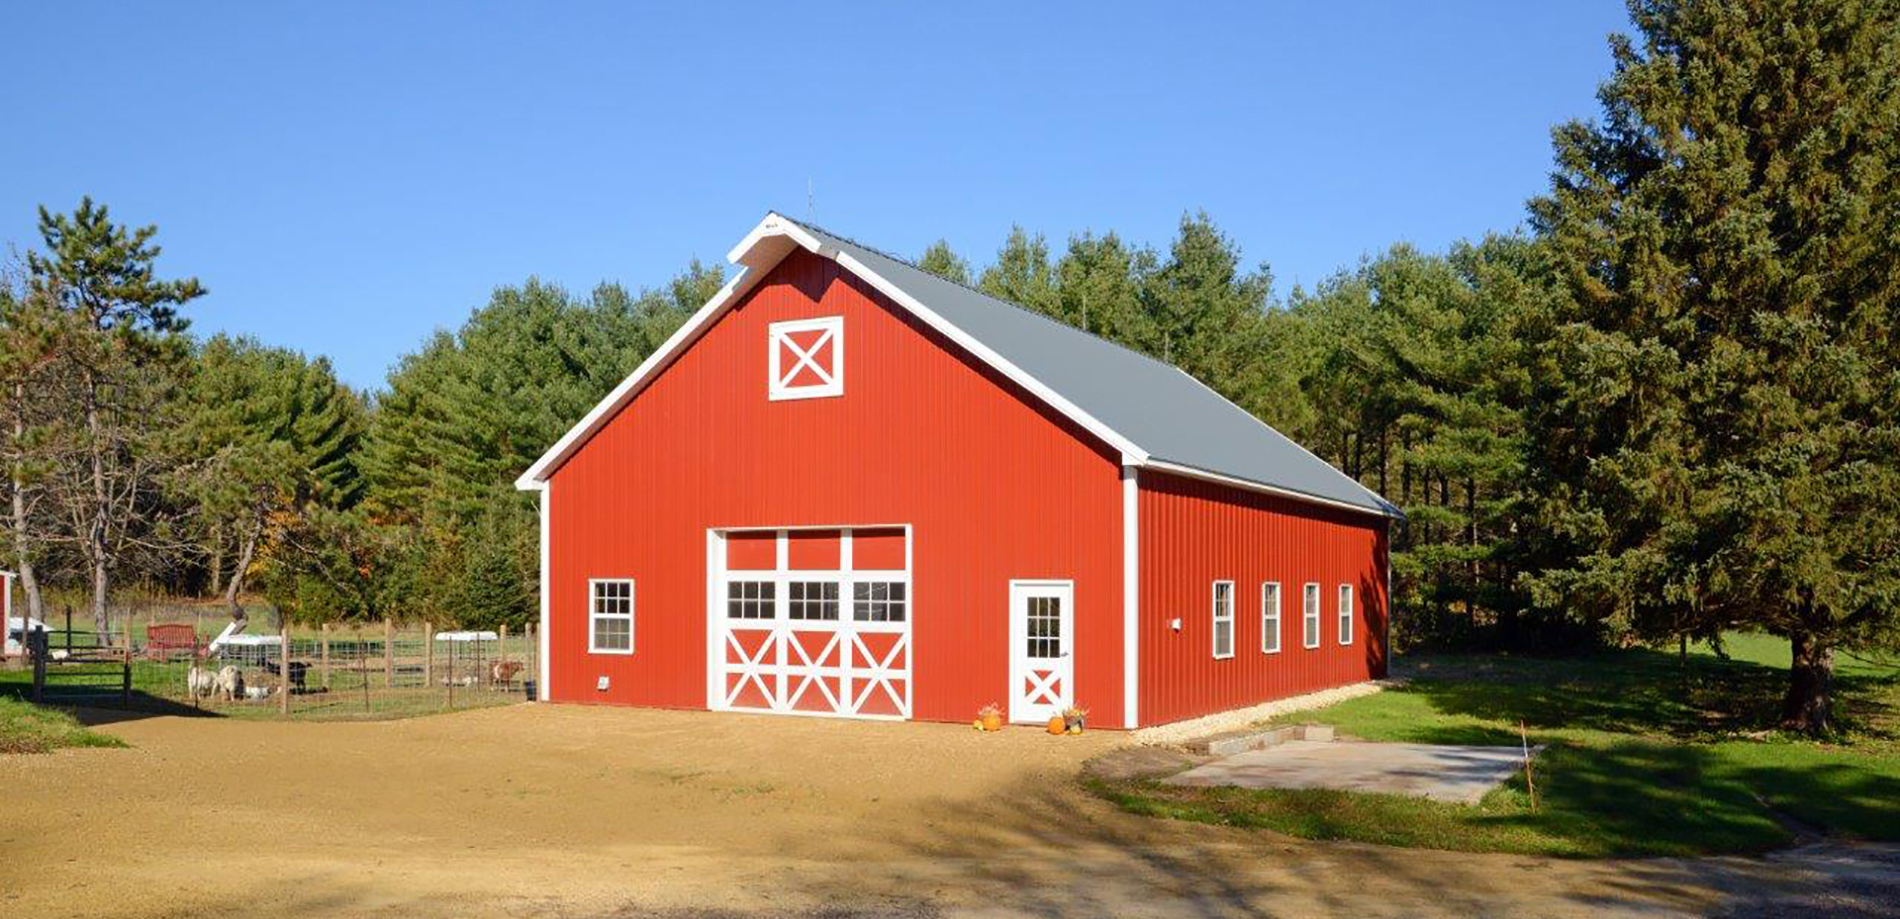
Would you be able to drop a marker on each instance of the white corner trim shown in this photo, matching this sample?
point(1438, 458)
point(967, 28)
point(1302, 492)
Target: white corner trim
point(1131, 597)
point(541, 690)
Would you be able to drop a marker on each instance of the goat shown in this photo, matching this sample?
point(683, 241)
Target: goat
point(200, 682)
point(230, 683)
point(504, 672)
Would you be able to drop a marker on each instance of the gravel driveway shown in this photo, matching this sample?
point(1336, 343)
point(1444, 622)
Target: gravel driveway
point(574, 811)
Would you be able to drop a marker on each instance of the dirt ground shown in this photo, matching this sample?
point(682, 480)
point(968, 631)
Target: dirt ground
point(562, 811)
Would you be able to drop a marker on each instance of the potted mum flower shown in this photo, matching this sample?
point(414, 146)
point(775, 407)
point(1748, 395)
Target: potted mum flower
point(990, 717)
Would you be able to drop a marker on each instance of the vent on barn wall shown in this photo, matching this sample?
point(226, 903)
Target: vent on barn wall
point(601, 684)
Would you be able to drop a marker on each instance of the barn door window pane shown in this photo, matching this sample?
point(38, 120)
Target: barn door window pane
point(877, 601)
point(1223, 619)
point(751, 600)
point(1309, 618)
point(1270, 617)
point(1044, 628)
point(1345, 614)
point(610, 617)
point(814, 600)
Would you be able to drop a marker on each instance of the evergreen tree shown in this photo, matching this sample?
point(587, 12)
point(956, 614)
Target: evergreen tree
point(1022, 274)
point(1716, 435)
point(943, 262)
point(122, 362)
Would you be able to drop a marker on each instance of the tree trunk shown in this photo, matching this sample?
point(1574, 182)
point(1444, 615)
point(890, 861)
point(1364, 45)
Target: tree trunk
point(96, 529)
point(22, 559)
point(246, 550)
point(1808, 706)
point(217, 557)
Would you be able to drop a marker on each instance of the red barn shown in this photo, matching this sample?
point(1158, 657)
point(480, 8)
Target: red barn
point(849, 487)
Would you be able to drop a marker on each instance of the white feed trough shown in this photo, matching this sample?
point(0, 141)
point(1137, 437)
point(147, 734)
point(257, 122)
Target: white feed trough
point(467, 636)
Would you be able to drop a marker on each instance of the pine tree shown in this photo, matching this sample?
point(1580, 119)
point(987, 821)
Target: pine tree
point(1717, 435)
point(945, 263)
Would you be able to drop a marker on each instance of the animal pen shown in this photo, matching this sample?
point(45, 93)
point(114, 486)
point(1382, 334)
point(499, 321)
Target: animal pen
point(328, 671)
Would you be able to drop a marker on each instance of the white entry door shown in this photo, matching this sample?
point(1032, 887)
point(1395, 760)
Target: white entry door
point(1041, 643)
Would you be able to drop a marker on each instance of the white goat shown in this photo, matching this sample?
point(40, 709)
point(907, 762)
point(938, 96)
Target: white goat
point(230, 683)
point(200, 682)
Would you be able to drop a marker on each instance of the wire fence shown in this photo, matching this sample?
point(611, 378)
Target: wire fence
point(340, 671)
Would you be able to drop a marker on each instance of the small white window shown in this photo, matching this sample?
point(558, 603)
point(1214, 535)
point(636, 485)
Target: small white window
point(610, 617)
point(1223, 619)
point(1309, 619)
point(807, 358)
point(1270, 617)
point(1345, 614)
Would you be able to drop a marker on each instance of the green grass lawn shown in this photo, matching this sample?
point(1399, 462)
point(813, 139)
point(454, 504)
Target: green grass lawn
point(1640, 758)
point(29, 728)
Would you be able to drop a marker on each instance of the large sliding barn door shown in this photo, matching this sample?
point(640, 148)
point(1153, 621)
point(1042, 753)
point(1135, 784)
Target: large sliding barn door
point(793, 639)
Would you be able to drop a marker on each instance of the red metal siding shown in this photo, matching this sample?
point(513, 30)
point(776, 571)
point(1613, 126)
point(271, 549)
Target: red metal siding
point(1194, 533)
point(994, 486)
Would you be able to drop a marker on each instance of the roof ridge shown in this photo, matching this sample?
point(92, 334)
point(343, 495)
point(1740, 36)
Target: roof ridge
point(985, 294)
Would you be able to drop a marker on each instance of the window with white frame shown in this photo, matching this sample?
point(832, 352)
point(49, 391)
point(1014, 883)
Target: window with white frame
point(1345, 614)
point(814, 600)
point(610, 617)
point(1270, 617)
point(1309, 618)
point(751, 600)
point(1223, 619)
point(877, 601)
point(806, 358)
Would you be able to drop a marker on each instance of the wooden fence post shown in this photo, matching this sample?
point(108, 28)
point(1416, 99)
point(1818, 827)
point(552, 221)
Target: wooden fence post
point(389, 652)
point(36, 648)
point(283, 669)
point(501, 652)
point(325, 652)
point(534, 663)
point(428, 653)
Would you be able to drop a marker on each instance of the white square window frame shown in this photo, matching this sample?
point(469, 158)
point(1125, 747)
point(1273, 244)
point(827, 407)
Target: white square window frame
point(1309, 614)
point(1345, 615)
point(593, 584)
point(1270, 618)
point(1233, 637)
point(776, 345)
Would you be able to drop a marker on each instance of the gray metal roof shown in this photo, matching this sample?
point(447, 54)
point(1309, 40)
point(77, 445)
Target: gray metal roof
point(1159, 407)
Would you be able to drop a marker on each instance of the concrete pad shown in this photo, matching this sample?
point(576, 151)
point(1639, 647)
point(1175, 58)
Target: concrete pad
point(1440, 772)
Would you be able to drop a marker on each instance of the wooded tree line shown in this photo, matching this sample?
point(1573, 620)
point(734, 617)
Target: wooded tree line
point(1666, 410)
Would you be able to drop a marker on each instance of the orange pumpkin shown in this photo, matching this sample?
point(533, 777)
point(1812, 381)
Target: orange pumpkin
point(1058, 725)
point(993, 721)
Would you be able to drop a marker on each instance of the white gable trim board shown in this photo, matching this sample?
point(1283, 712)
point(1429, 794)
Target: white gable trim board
point(769, 243)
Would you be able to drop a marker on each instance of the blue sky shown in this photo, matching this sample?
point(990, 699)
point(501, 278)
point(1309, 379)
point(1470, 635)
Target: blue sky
point(347, 177)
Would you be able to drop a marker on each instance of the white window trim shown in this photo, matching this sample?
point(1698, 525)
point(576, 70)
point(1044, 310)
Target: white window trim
point(592, 616)
point(777, 344)
point(1279, 601)
point(1233, 637)
point(1345, 615)
point(1310, 615)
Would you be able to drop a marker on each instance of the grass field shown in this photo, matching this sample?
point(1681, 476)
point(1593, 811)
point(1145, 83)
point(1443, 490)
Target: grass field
point(1641, 758)
point(29, 728)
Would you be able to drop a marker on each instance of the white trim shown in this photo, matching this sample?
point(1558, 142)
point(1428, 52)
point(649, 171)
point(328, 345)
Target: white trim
point(1249, 485)
point(629, 615)
point(831, 331)
point(1345, 626)
point(541, 689)
point(1016, 374)
point(758, 254)
point(1302, 448)
point(774, 667)
point(1311, 619)
point(1279, 619)
point(1131, 597)
point(1215, 621)
point(628, 387)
